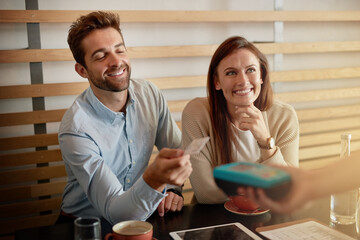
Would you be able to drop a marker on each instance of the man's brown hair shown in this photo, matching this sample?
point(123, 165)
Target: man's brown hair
point(84, 25)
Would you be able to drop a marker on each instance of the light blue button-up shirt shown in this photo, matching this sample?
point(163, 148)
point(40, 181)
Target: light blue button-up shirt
point(106, 153)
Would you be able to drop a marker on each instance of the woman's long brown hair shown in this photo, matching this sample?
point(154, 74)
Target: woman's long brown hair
point(220, 116)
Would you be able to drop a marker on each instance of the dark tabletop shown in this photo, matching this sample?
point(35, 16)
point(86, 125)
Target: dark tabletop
point(200, 215)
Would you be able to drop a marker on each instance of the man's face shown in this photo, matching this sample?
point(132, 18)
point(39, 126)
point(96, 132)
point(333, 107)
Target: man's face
point(107, 63)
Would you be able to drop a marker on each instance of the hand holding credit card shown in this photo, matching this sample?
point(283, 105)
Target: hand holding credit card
point(196, 145)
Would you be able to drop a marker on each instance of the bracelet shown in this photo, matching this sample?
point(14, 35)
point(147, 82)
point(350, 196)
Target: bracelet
point(176, 192)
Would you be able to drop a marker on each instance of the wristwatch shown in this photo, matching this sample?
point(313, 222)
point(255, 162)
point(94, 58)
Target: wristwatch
point(270, 144)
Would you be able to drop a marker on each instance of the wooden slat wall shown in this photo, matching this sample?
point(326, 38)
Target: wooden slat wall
point(21, 194)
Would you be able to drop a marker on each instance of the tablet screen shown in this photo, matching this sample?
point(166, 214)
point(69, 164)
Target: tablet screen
point(218, 232)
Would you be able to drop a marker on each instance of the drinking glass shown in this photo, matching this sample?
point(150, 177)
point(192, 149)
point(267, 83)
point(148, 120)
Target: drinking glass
point(87, 228)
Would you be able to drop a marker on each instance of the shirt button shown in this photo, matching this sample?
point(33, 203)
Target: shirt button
point(131, 141)
point(128, 180)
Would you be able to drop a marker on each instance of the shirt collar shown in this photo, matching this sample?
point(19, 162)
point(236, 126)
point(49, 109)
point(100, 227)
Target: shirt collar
point(102, 110)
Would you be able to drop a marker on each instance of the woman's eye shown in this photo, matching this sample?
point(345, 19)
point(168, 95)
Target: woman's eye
point(250, 70)
point(230, 73)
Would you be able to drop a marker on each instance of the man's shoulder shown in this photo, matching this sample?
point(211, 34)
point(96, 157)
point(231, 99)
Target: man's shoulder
point(74, 115)
point(143, 87)
point(139, 83)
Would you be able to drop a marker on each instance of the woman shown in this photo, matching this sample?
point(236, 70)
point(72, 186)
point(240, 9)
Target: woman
point(240, 116)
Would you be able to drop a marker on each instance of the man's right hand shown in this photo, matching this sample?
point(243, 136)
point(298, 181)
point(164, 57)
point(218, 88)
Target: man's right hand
point(170, 166)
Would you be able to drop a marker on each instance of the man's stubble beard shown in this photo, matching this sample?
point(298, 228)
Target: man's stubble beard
point(107, 86)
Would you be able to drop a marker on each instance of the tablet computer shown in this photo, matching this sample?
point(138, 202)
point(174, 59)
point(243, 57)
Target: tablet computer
point(216, 232)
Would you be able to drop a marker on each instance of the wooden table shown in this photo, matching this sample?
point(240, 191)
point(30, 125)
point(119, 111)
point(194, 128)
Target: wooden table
point(199, 215)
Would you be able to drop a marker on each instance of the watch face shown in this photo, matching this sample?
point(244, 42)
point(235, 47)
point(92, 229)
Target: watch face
point(271, 143)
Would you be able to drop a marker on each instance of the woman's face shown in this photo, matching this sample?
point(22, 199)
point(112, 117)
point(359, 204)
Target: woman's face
point(239, 77)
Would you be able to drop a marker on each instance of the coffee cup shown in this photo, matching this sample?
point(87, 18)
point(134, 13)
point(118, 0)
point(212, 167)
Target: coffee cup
point(244, 203)
point(131, 230)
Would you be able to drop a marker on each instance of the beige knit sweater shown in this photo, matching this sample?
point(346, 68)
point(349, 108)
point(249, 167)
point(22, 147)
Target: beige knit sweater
point(283, 125)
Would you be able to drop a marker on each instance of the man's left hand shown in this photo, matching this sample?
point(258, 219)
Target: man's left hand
point(172, 202)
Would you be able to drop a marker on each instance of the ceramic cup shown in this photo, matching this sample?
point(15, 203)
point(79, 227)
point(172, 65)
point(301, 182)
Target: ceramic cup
point(131, 230)
point(244, 203)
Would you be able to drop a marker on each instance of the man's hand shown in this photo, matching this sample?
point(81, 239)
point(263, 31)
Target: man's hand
point(172, 202)
point(171, 166)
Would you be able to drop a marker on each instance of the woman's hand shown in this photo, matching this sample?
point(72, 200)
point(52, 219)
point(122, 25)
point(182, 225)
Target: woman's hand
point(251, 118)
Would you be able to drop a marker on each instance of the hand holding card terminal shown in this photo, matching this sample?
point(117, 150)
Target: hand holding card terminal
point(275, 182)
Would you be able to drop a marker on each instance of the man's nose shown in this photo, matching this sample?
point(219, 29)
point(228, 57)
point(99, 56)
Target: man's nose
point(114, 60)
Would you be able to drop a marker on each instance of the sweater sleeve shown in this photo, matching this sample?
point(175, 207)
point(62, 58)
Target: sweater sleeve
point(284, 127)
point(196, 123)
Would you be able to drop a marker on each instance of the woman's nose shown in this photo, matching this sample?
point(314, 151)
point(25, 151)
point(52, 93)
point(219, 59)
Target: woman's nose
point(242, 79)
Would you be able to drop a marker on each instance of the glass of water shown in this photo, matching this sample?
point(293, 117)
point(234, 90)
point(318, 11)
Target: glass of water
point(358, 218)
point(87, 228)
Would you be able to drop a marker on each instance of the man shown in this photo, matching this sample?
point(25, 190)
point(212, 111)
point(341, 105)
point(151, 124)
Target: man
point(107, 136)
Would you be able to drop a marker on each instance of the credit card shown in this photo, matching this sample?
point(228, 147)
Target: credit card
point(196, 145)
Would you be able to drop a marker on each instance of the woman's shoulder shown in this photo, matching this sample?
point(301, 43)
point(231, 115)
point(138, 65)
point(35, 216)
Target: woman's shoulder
point(198, 104)
point(279, 106)
point(281, 111)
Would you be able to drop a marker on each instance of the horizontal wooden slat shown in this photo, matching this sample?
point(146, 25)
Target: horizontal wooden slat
point(329, 150)
point(179, 82)
point(11, 225)
point(26, 158)
point(33, 174)
point(188, 197)
point(328, 112)
point(38, 140)
point(42, 90)
point(23, 118)
point(317, 163)
point(46, 55)
point(29, 207)
point(51, 16)
point(31, 191)
point(177, 105)
point(319, 95)
point(315, 74)
point(309, 47)
point(329, 125)
point(328, 137)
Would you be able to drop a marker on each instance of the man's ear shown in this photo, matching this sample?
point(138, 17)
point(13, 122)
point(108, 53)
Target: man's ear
point(81, 70)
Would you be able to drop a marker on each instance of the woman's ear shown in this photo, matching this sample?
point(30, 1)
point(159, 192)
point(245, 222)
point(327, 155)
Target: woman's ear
point(217, 83)
point(81, 70)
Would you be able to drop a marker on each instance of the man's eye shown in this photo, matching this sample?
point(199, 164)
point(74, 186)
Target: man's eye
point(120, 50)
point(99, 57)
point(250, 70)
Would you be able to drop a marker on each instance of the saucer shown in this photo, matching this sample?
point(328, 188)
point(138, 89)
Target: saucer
point(230, 206)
